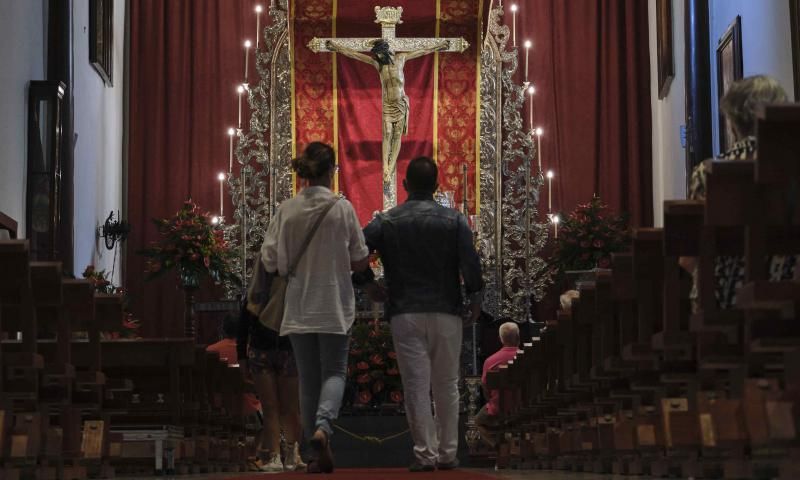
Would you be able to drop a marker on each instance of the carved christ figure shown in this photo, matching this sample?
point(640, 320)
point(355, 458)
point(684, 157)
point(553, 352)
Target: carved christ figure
point(395, 102)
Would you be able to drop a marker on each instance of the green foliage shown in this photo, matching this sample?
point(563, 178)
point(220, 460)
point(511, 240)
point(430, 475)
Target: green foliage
point(588, 237)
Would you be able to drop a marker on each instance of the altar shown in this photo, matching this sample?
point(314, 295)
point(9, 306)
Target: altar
point(460, 103)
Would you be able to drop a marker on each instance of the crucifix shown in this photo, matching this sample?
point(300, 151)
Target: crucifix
point(389, 55)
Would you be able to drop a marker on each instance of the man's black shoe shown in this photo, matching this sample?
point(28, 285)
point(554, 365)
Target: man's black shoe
point(417, 467)
point(448, 466)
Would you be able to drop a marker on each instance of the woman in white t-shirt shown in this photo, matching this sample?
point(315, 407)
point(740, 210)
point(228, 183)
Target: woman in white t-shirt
point(320, 303)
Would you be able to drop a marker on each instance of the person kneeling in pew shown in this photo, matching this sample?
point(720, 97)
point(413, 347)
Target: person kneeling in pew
point(489, 418)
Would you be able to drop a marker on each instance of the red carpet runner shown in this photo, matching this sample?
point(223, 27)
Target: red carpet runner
point(375, 474)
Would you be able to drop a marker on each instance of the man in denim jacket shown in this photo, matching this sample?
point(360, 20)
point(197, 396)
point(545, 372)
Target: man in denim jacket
point(426, 250)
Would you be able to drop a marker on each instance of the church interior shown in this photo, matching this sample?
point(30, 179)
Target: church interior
point(628, 172)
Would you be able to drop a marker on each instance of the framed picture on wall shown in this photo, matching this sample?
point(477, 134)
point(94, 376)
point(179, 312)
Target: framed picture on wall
point(729, 69)
point(666, 62)
point(101, 38)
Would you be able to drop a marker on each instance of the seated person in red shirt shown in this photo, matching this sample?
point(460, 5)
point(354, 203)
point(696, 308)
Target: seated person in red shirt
point(488, 418)
point(226, 348)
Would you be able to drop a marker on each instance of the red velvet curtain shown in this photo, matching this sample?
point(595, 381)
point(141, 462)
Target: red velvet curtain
point(185, 63)
point(590, 66)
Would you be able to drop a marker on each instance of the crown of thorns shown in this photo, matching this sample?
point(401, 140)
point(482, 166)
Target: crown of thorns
point(382, 50)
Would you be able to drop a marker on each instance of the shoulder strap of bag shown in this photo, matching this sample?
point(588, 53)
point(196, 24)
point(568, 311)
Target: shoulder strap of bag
point(309, 237)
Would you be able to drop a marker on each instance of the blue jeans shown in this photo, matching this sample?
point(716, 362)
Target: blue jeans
point(322, 367)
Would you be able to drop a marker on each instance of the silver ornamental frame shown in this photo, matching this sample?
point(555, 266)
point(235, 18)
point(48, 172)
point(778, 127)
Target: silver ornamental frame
point(510, 235)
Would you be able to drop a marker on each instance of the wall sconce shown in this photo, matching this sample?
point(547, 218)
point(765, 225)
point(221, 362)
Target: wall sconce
point(114, 231)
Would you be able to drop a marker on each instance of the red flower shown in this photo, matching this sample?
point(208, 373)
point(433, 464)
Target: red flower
point(355, 352)
point(364, 397)
point(376, 359)
point(363, 378)
point(362, 366)
point(393, 372)
point(396, 396)
point(604, 262)
point(392, 355)
point(598, 243)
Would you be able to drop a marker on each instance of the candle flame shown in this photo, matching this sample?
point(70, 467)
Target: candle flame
point(240, 89)
point(214, 220)
point(531, 90)
point(550, 174)
point(556, 219)
point(513, 7)
point(539, 131)
point(247, 44)
point(231, 131)
point(528, 44)
point(221, 176)
point(258, 9)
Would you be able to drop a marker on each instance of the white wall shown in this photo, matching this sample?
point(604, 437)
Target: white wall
point(669, 114)
point(98, 121)
point(98, 150)
point(766, 43)
point(23, 27)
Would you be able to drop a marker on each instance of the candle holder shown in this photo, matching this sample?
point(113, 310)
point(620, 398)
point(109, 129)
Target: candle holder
point(472, 435)
point(512, 234)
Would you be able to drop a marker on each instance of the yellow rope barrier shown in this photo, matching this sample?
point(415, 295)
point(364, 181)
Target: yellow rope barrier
point(370, 438)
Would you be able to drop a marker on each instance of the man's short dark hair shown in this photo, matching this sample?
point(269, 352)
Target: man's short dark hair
point(422, 175)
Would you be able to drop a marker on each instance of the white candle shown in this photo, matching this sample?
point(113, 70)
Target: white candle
point(556, 221)
point(231, 133)
point(527, 50)
point(514, 24)
point(550, 176)
point(531, 91)
point(539, 146)
point(258, 23)
point(247, 46)
point(221, 178)
point(240, 91)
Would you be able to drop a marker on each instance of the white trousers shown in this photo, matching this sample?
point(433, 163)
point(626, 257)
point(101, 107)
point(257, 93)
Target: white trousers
point(428, 347)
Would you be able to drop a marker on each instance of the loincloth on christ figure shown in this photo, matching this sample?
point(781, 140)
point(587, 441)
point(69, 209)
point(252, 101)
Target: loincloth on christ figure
point(397, 111)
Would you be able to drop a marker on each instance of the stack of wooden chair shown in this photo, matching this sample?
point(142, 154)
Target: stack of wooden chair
point(633, 380)
point(74, 405)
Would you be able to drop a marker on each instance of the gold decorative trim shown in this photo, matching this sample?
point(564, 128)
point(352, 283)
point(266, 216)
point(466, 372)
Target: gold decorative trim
point(291, 17)
point(436, 87)
point(335, 93)
point(478, 53)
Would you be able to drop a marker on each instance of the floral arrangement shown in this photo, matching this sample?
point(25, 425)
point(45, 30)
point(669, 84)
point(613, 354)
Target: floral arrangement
point(588, 237)
point(102, 284)
point(191, 245)
point(99, 280)
point(373, 377)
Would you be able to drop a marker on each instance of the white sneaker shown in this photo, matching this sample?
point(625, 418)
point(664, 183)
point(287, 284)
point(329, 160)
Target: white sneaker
point(294, 462)
point(273, 466)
